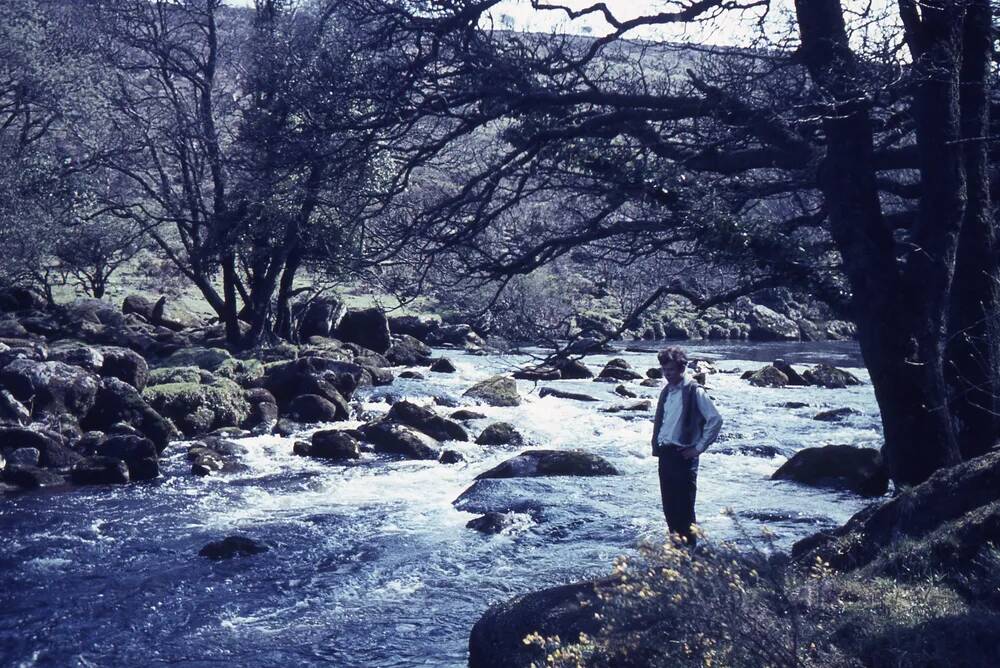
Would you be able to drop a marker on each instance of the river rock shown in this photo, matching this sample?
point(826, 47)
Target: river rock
point(532, 463)
point(500, 433)
point(416, 326)
point(77, 354)
point(138, 453)
point(199, 408)
point(497, 639)
point(207, 463)
point(491, 523)
point(50, 387)
point(464, 414)
point(96, 311)
point(460, 335)
point(13, 411)
point(330, 444)
point(99, 470)
point(834, 415)
point(25, 457)
point(58, 456)
point(451, 457)
point(287, 380)
point(768, 325)
point(537, 374)
point(650, 382)
point(644, 405)
point(497, 390)
point(125, 365)
point(179, 374)
point(563, 394)
point(118, 401)
point(408, 351)
point(31, 477)
point(769, 376)
point(618, 373)
point(208, 359)
point(398, 439)
point(232, 546)
point(412, 375)
point(263, 411)
point(830, 377)
point(765, 451)
point(367, 327)
point(572, 369)
point(945, 525)
point(859, 470)
point(321, 317)
point(425, 420)
point(586, 345)
point(310, 408)
point(443, 365)
point(623, 391)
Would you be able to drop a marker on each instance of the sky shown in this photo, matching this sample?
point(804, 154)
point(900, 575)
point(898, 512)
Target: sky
point(732, 28)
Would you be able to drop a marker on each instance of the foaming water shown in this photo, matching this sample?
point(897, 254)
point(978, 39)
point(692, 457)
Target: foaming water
point(370, 564)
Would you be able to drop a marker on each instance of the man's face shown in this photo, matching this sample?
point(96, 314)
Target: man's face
point(672, 372)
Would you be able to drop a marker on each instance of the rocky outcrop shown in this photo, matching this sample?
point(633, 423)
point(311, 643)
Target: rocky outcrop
point(497, 639)
point(366, 327)
point(287, 380)
point(119, 402)
point(50, 388)
point(847, 467)
point(497, 390)
point(426, 421)
point(534, 463)
point(949, 523)
point(419, 327)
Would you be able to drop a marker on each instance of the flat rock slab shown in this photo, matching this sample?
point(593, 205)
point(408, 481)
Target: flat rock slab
point(538, 463)
point(859, 470)
point(562, 394)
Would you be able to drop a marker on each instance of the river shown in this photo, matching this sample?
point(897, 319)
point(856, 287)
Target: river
point(370, 564)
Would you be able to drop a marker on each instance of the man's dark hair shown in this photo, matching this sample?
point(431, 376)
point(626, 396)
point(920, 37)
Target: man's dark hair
point(673, 354)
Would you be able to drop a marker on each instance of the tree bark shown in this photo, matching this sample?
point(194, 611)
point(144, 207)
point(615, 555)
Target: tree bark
point(973, 353)
point(901, 337)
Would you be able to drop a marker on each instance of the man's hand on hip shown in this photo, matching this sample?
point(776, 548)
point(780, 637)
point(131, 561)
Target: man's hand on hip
point(689, 452)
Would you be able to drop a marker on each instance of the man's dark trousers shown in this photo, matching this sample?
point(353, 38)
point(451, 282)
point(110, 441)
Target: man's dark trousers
point(678, 486)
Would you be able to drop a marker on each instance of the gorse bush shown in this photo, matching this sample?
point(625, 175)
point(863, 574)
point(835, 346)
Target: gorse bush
point(723, 606)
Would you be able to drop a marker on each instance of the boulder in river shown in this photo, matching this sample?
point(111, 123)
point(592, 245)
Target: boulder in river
point(768, 325)
point(398, 439)
point(538, 373)
point(563, 394)
point(118, 401)
point(497, 390)
point(25, 456)
point(408, 351)
point(31, 477)
point(286, 380)
point(794, 378)
point(232, 546)
point(98, 470)
point(443, 365)
point(208, 359)
point(367, 327)
point(416, 326)
point(311, 408)
point(451, 457)
point(618, 373)
point(425, 420)
point(330, 444)
point(572, 369)
point(138, 453)
point(500, 433)
point(769, 376)
point(848, 467)
point(465, 414)
point(199, 408)
point(623, 391)
point(532, 463)
point(834, 415)
point(830, 377)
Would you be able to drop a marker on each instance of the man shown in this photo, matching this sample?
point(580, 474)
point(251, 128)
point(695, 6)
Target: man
point(686, 423)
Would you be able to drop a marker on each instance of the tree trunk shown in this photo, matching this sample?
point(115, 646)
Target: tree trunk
point(900, 335)
point(973, 353)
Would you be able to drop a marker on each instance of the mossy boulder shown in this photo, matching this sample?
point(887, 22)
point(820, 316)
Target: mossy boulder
point(208, 359)
point(50, 388)
point(176, 374)
point(243, 372)
point(769, 376)
point(118, 402)
point(497, 390)
point(199, 408)
point(830, 377)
